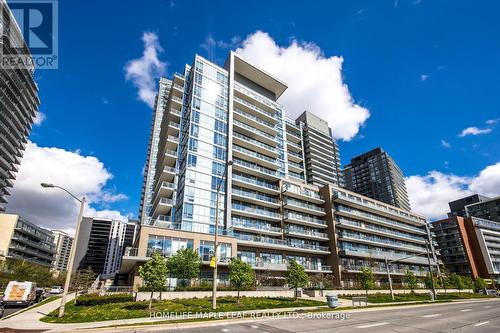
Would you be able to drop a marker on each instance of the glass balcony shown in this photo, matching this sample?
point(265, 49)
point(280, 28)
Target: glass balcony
point(253, 224)
point(296, 203)
point(264, 213)
point(306, 232)
point(255, 96)
point(255, 154)
point(255, 167)
point(254, 195)
point(380, 219)
point(379, 241)
point(254, 181)
point(303, 218)
point(386, 231)
point(264, 124)
point(255, 130)
point(256, 143)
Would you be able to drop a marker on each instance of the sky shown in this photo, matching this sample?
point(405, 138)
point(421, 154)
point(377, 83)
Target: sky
point(418, 78)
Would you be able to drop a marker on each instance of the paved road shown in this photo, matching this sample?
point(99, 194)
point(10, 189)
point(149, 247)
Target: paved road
point(479, 316)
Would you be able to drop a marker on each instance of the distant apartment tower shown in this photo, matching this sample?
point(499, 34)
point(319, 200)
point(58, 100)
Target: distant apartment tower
point(63, 243)
point(322, 158)
point(23, 240)
point(101, 244)
point(18, 103)
point(457, 207)
point(154, 139)
point(376, 175)
point(488, 209)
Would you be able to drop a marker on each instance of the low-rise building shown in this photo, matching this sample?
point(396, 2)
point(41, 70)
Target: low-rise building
point(21, 239)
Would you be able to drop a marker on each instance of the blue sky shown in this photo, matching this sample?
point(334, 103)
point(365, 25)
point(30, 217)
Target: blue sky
point(425, 70)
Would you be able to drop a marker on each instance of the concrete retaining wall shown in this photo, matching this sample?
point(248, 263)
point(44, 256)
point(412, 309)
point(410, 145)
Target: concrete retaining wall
point(166, 295)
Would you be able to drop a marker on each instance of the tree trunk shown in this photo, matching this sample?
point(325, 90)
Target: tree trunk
point(151, 300)
point(238, 297)
point(296, 293)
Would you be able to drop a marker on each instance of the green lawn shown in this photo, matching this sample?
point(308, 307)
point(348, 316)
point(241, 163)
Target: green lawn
point(386, 298)
point(128, 310)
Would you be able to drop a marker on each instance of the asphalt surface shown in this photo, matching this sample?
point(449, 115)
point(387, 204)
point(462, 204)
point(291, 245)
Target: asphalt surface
point(477, 316)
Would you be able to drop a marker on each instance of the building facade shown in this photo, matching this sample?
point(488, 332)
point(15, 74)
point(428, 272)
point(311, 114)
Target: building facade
point(23, 240)
point(63, 243)
point(376, 175)
point(18, 104)
point(488, 209)
point(154, 139)
point(470, 246)
point(457, 207)
point(279, 197)
point(101, 244)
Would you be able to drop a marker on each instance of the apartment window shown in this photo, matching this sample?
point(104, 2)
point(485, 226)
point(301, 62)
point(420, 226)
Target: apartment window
point(196, 103)
point(193, 144)
point(197, 90)
point(220, 126)
point(192, 160)
point(188, 210)
point(199, 66)
point(219, 139)
point(219, 153)
point(195, 117)
point(195, 130)
point(198, 78)
point(218, 168)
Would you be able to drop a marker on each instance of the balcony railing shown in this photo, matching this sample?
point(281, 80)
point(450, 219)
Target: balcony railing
point(254, 118)
point(254, 154)
point(274, 241)
point(302, 217)
point(254, 195)
point(306, 232)
point(293, 202)
point(255, 142)
point(255, 130)
point(258, 211)
point(381, 241)
point(253, 181)
point(255, 167)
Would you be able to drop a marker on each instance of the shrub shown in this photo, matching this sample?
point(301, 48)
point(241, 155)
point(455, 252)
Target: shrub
point(92, 300)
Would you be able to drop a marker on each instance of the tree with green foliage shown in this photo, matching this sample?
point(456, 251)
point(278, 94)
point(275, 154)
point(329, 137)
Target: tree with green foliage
point(241, 275)
point(468, 282)
point(411, 280)
point(456, 281)
point(367, 279)
point(184, 265)
point(83, 280)
point(479, 284)
point(154, 274)
point(296, 277)
point(428, 281)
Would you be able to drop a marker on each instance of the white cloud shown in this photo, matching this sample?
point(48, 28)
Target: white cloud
point(39, 118)
point(424, 77)
point(146, 70)
point(52, 208)
point(429, 194)
point(315, 82)
point(445, 144)
point(474, 131)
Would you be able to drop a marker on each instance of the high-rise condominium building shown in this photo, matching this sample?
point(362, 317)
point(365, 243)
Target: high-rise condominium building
point(321, 151)
point(18, 103)
point(63, 243)
point(101, 243)
point(23, 240)
point(376, 175)
point(224, 125)
point(154, 139)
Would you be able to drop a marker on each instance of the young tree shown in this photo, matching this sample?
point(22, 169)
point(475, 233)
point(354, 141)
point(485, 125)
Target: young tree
point(411, 280)
point(479, 284)
point(296, 277)
point(428, 281)
point(184, 265)
point(468, 282)
point(154, 274)
point(456, 281)
point(83, 280)
point(367, 279)
point(241, 275)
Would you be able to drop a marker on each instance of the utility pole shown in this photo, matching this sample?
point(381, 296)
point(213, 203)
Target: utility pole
point(389, 277)
point(427, 244)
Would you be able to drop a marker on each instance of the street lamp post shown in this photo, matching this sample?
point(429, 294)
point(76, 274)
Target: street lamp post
point(214, 287)
point(73, 246)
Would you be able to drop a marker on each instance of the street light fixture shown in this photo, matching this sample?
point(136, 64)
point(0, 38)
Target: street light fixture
point(73, 246)
point(214, 288)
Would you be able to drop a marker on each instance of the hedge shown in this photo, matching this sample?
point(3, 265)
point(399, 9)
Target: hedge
point(91, 300)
